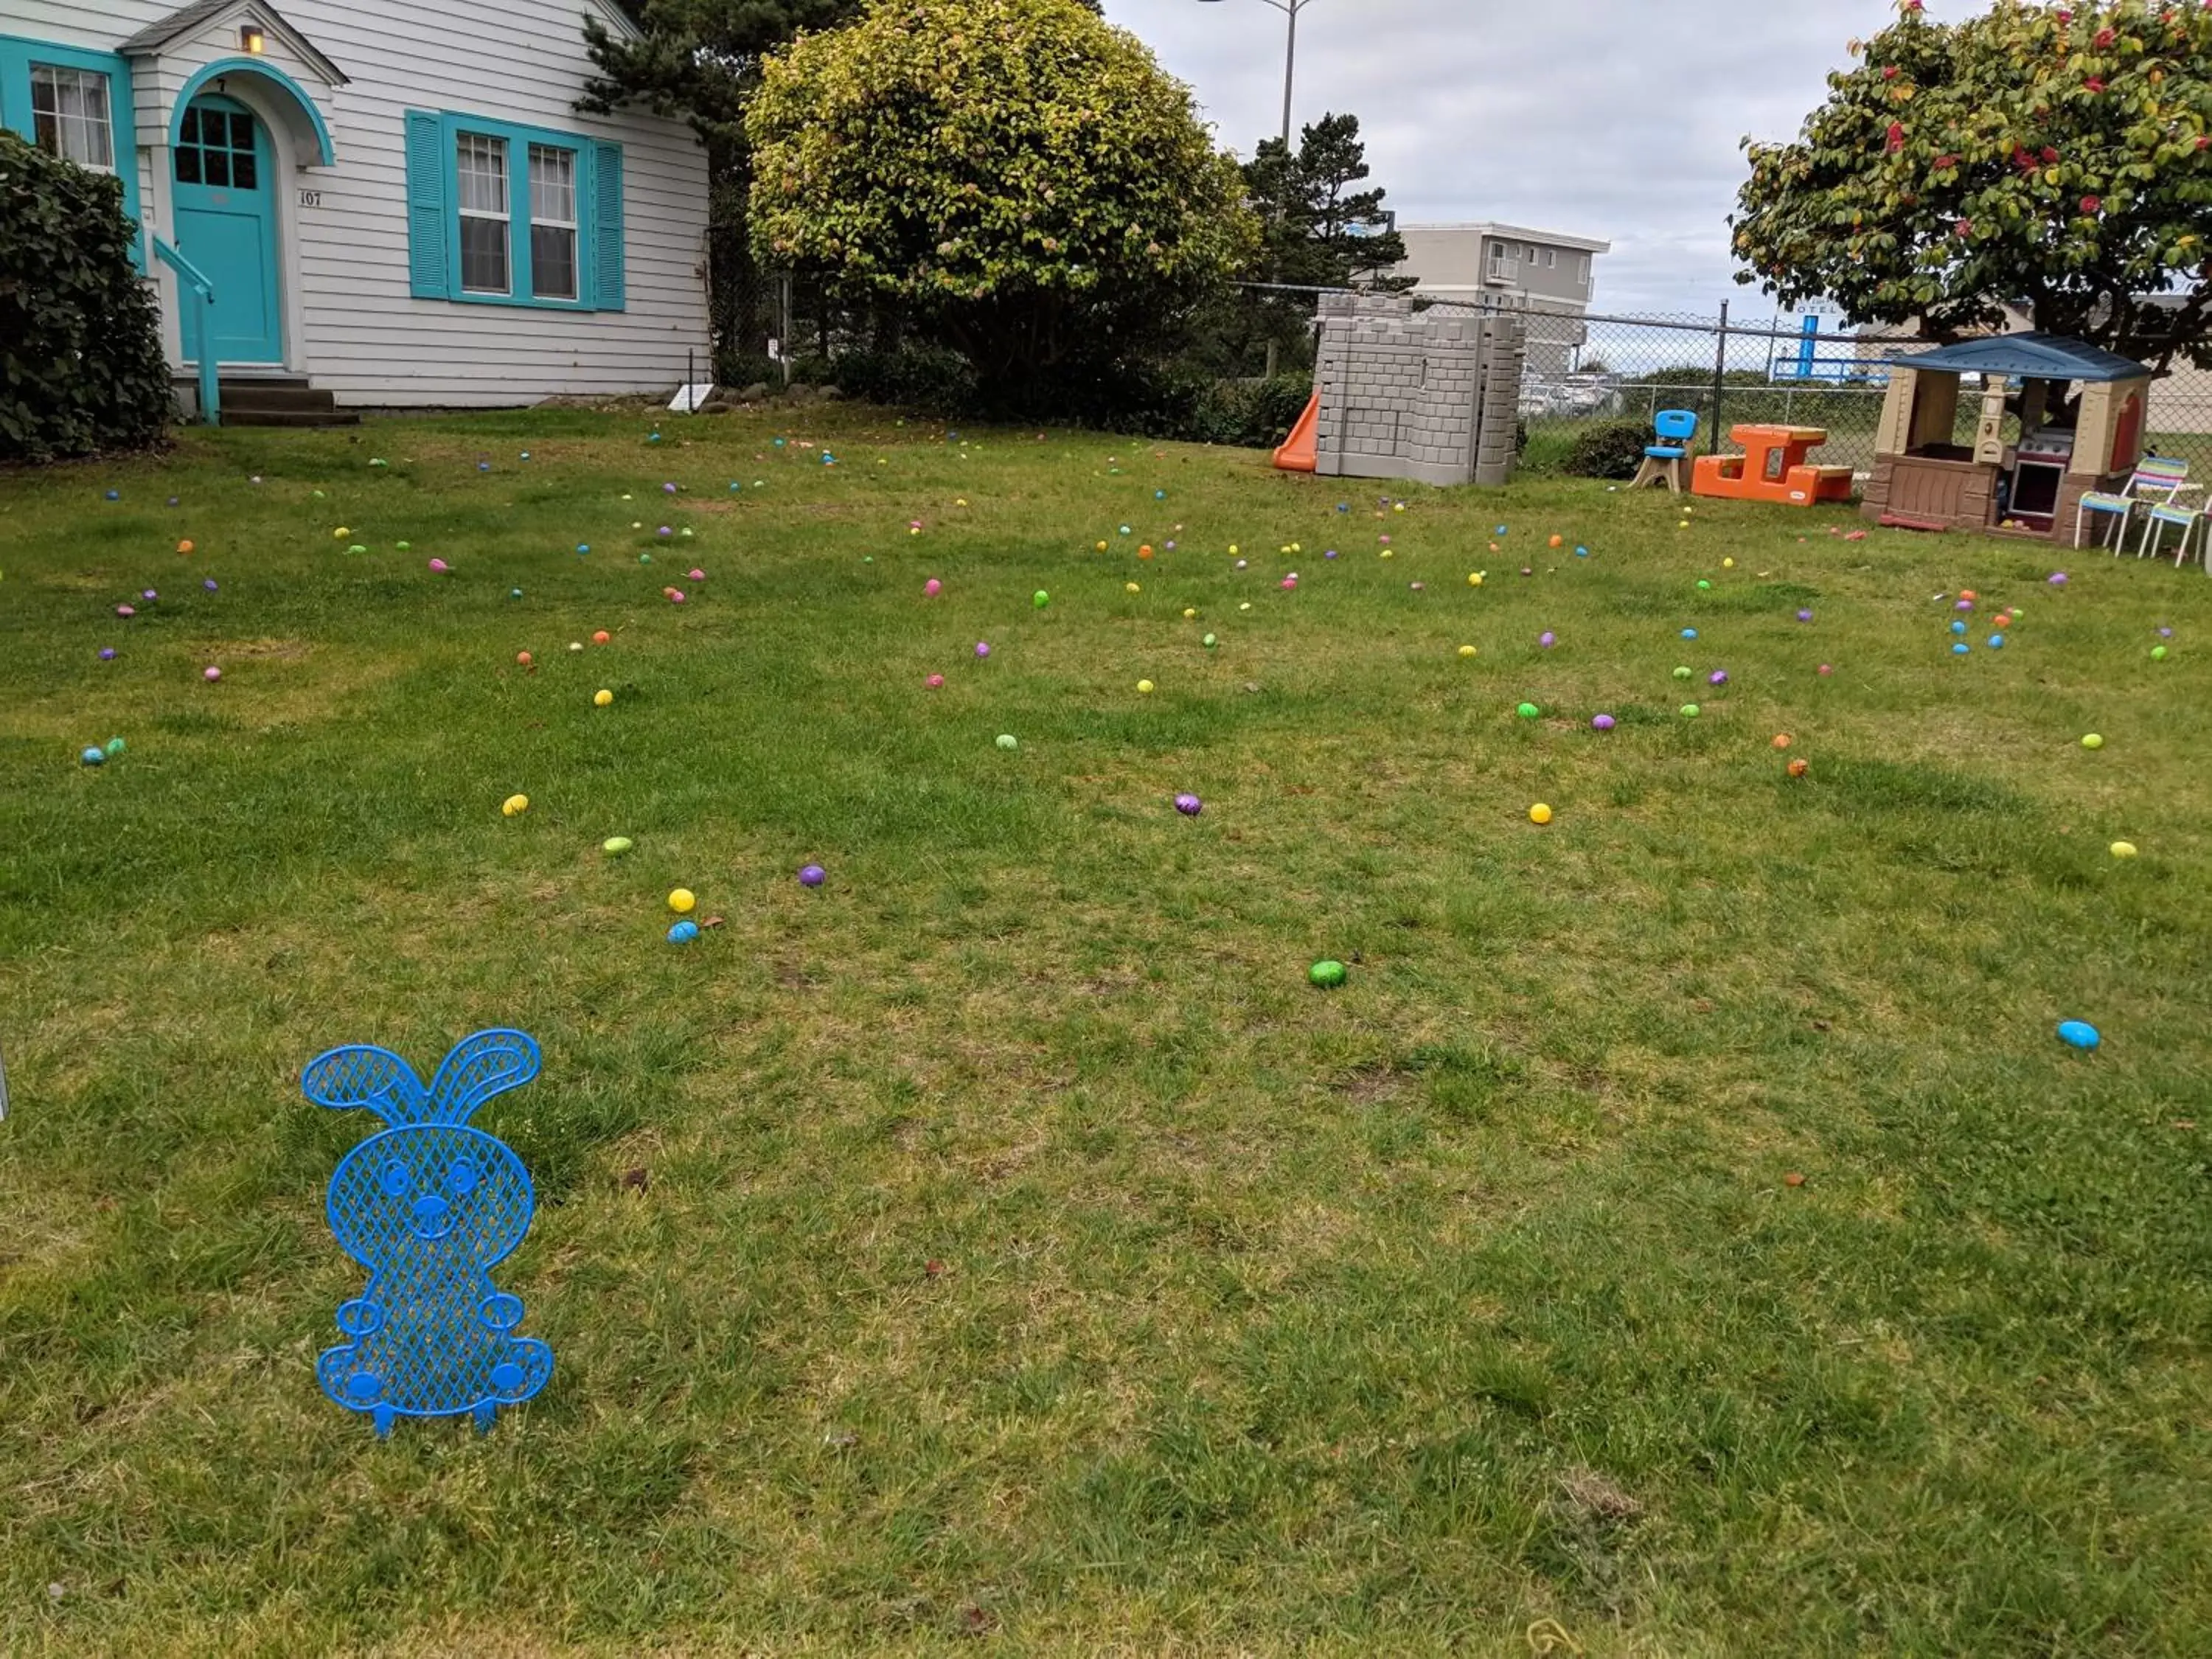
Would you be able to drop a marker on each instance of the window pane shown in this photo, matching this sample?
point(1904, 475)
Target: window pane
point(552, 185)
point(553, 262)
point(242, 131)
point(188, 165)
point(191, 127)
point(217, 163)
point(484, 255)
point(482, 170)
point(242, 172)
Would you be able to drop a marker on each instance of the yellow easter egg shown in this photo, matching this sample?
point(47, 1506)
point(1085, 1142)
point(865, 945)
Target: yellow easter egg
point(1727, 564)
point(514, 804)
point(1190, 616)
point(1131, 587)
point(601, 698)
point(2124, 849)
point(340, 533)
point(1474, 579)
point(1467, 651)
point(682, 901)
point(1539, 813)
point(1144, 688)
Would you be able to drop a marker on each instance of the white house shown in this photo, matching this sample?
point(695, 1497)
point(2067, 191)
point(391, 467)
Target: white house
point(391, 202)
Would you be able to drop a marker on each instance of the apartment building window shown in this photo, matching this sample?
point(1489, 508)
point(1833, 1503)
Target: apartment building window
point(1582, 270)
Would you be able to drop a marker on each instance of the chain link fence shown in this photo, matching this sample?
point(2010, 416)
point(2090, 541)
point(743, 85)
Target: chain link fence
point(1586, 370)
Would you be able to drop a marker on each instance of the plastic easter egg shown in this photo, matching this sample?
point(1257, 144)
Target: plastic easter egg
point(1558, 541)
point(209, 584)
point(1603, 723)
point(1210, 641)
point(210, 674)
point(1705, 587)
point(1131, 587)
point(1689, 633)
point(114, 495)
point(576, 645)
point(1189, 806)
point(341, 533)
point(1145, 552)
point(1008, 741)
point(1539, 813)
point(1189, 615)
point(1962, 649)
point(515, 806)
point(1581, 552)
point(1682, 673)
point(1529, 711)
point(125, 611)
point(1718, 677)
point(1798, 769)
point(683, 900)
point(1997, 641)
point(1690, 711)
point(982, 648)
point(513, 592)
point(601, 636)
point(107, 653)
point(645, 558)
point(1467, 651)
point(93, 758)
point(1040, 598)
point(115, 746)
point(684, 932)
point(677, 596)
point(438, 566)
point(1964, 604)
point(1474, 579)
point(582, 548)
point(615, 846)
point(1326, 975)
point(184, 547)
point(1547, 639)
point(2079, 1033)
point(2093, 741)
point(602, 697)
point(1144, 688)
point(698, 575)
point(1958, 627)
point(935, 682)
point(2124, 849)
point(2158, 653)
point(812, 875)
point(2058, 579)
point(1825, 670)
point(1804, 615)
point(1330, 554)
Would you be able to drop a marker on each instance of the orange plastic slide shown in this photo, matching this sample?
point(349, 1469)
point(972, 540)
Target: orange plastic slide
point(1299, 454)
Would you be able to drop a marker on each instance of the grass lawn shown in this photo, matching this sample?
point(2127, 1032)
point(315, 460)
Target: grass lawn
point(1003, 1242)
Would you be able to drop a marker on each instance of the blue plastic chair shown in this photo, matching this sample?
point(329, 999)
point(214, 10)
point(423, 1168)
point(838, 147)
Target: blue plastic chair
point(1668, 461)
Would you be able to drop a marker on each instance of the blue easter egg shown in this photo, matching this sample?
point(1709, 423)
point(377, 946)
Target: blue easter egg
point(583, 547)
point(1689, 633)
point(1958, 627)
point(1581, 552)
point(93, 758)
point(1961, 649)
point(1997, 641)
point(2079, 1033)
point(684, 932)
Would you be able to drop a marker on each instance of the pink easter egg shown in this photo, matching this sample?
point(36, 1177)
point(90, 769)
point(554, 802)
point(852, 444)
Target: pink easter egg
point(438, 566)
point(935, 682)
point(698, 575)
point(677, 596)
point(125, 611)
point(211, 674)
point(932, 588)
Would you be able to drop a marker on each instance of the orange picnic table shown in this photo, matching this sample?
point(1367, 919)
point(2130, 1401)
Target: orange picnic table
point(1772, 468)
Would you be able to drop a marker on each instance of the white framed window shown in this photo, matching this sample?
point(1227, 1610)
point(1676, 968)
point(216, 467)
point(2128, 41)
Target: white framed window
point(552, 222)
point(70, 115)
point(1551, 258)
point(480, 166)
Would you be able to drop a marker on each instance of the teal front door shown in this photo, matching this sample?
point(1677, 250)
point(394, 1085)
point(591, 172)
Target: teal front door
point(225, 218)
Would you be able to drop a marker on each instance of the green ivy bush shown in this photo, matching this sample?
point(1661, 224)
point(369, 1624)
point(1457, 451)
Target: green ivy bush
point(1615, 450)
point(82, 368)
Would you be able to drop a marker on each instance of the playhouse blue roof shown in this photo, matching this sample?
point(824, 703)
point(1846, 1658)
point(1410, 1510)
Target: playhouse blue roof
point(2030, 356)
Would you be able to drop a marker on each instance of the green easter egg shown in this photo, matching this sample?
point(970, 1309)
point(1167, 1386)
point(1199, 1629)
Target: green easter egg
point(615, 846)
point(1528, 711)
point(1705, 587)
point(1690, 711)
point(1040, 598)
point(2093, 741)
point(1209, 642)
point(1682, 673)
point(1008, 740)
point(405, 547)
point(1326, 974)
point(114, 747)
point(2158, 653)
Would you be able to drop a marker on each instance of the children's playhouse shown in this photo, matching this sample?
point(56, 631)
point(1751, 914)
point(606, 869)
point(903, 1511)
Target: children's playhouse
point(2080, 411)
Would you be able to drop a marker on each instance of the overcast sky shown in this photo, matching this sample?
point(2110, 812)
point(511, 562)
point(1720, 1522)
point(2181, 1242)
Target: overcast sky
point(1616, 118)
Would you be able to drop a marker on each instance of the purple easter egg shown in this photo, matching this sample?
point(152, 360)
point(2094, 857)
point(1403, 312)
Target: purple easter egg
point(210, 584)
point(2058, 579)
point(1547, 639)
point(982, 648)
point(1330, 554)
point(668, 489)
point(1189, 806)
point(1804, 615)
point(1718, 677)
point(107, 653)
point(150, 595)
point(1964, 604)
point(666, 531)
point(1603, 723)
point(813, 876)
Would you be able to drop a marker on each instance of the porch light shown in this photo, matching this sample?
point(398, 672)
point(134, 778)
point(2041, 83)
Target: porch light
point(250, 39)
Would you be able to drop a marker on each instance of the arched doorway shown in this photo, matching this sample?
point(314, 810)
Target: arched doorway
point(223, 174)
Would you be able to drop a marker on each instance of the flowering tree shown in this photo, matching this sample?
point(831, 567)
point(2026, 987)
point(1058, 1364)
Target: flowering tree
point(1015, 175)
point(2055, 159)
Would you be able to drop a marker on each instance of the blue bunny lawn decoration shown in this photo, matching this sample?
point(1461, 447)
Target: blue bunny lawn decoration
point(429, 1206)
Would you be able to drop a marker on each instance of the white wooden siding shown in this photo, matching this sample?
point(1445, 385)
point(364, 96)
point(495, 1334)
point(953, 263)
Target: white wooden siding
point(355, 328)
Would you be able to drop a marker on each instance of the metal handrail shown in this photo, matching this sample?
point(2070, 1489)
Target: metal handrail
point(192, 329)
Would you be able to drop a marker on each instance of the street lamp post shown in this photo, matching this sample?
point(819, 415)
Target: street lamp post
point(1290, 9)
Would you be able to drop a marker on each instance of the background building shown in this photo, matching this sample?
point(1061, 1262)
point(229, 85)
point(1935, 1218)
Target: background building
point(1547, 272)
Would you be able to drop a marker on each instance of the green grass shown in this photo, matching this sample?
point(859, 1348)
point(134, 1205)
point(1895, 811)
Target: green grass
point(1388, 1322)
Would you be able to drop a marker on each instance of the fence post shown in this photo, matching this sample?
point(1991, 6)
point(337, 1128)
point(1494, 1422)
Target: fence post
point(1720, 376)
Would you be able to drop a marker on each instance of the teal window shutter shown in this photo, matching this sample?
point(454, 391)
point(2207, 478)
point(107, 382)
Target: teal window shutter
point(607, 275)
point(427, 267)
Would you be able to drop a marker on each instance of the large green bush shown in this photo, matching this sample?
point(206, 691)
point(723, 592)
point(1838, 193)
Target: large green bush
point(82, 368)
point(1615, 450)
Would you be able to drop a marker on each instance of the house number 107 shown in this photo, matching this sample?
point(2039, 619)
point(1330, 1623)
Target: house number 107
point(311, 199)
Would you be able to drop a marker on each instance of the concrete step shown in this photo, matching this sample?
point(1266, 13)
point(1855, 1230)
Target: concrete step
point(287, 416)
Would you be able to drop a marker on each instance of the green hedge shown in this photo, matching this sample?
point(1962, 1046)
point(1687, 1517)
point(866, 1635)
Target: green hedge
point(82, 368)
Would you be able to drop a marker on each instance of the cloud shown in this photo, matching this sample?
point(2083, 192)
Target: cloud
point(1617, 119)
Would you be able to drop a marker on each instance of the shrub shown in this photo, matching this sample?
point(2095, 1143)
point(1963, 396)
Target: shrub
point(1614, 450)
point(926, 377)
point(81, 367)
